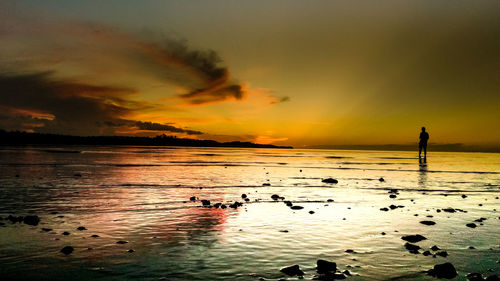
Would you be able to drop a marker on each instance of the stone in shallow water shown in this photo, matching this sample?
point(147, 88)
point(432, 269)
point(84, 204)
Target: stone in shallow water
point(412, 248)
point(325, 266)
point(413, 238)
point(444, 270)
point(67, 250)
point(275, 196)
point(330, 180)
point(81, 228)
point(31, 220)
point(428, 222)
point(435, 248)
point(296, 207)
point(122, 242)
point(292, 270)
point(471, 225)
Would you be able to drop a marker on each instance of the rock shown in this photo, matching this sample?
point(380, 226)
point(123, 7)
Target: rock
point(412, 248)
point(426, 253)
point(292, 270)
point(392, 207)
point(243, 196)
point(492, 278)
point(223, 206)
point(323, 266)
point(311, 212)
point(81, 228)
point(474, 277)
point(329, 180)
point(428, 222)
point(266, 184)
point(329, 200)
point(346, 272)
point(131, 251)
point(67, 250)
point(31, 220)
point(384, 209)
point(94, 236)
point(413, 238)
point(392, 196)
point(443, 254)
point(465, 196)
point(449, 210)
point(65, 233)
point(247, 199)
point(471, 225)
point(471, 248)
point(122, 242)
point(217, 205)
point(275, 197)
point(288, 203)
point(46, 229)
point(205, 202)
point(445, 270)
point(192, 198)
point(296, 207)
point(381, 180)
point(285, 231)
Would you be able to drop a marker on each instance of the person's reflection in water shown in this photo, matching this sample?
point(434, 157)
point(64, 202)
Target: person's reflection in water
point(422, 175)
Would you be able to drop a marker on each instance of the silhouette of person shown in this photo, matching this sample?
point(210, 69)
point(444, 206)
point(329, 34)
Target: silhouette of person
point(424, 137)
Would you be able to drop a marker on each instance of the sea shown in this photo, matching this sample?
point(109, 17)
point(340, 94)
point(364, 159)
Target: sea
point(149, 199)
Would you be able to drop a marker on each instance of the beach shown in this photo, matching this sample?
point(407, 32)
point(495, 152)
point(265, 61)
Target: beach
point(152, 201)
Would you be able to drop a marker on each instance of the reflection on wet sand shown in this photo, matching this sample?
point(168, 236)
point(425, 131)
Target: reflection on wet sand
point(422, 175)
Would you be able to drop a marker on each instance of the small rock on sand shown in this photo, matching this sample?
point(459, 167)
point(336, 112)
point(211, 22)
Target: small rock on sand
point(275, 196)
point(81, 228)
point(471, 225)
point(296, 207)
point(428, 222)
point(325, 266)
point(122, 242)
point(205, 202)
point(31, 220)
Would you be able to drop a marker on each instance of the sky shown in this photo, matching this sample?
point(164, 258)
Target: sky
point(300, 73)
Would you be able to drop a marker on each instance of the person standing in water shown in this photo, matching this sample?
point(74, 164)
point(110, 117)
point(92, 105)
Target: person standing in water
point(424, 137)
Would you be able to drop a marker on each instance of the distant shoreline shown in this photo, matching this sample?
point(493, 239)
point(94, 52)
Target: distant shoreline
point(458, 147)
point(25, 138)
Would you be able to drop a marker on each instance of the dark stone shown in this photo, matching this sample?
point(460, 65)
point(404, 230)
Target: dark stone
point(65, 233)
point(243, 196)
point(192, 198)
point(223, 206)
point(329, 180)
point(392, 196)
point(492, 278)
point(275, 197)
point(247, 200)
point(413, 238)
point(449, 210)
point(435, 248)
point(412, 247)
point(384, 209)
point(292, 270)
point(471, 225)
point(46, 229)
point(445, 270)
point(205, 202)
point(81, 228)
point(266, 184)
point(67, 250)
point(78, 175)
point(471, 248)
point(329, 200)
point(443, 254)
point(381, 180)
point(131, 251)
point(325, 266)
point(465, 196)
point(311, 212)
point(426, 253)
point(217, 205)
point(296, 207)
point(122, 242)
point(94, 236)
point(428, 222)
point(392, 207)
point(31, 220)
point(474, 276)
point(288, 203)
point(346, 272)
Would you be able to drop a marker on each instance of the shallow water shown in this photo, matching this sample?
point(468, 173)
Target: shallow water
point(141, 195)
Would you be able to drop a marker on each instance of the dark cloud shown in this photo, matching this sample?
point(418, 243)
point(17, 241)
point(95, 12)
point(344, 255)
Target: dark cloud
point(150, 126)
point(40, 103)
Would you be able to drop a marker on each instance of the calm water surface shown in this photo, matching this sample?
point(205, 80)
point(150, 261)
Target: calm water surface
point(141, 195)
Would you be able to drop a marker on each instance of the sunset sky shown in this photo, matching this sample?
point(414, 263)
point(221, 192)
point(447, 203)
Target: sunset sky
point(288, 72)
